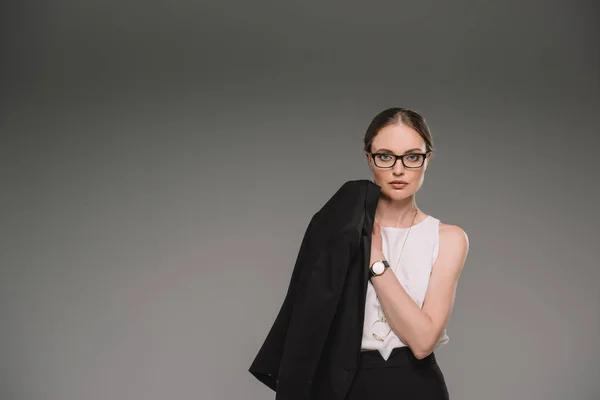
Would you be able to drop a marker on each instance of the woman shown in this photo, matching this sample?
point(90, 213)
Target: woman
point(373, 284)
point(415, 265)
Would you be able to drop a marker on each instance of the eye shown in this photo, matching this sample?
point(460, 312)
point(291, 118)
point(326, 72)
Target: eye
point(413, 157)
point(384, 157)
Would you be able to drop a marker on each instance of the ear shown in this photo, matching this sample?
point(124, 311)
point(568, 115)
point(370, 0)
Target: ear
point(370, 163)
point(428, 159)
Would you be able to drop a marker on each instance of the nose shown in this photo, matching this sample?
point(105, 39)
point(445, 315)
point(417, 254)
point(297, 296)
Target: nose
point(398, 168)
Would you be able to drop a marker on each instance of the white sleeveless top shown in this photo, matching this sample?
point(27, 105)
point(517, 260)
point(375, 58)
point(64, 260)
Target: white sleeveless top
point(420, 252)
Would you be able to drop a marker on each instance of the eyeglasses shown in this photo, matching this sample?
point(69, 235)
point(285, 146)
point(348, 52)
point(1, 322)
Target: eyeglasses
point(387, 160)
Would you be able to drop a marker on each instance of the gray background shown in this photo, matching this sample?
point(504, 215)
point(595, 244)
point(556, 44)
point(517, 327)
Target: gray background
point(161, 160)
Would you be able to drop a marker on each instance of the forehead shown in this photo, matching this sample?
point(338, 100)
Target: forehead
point(398, 138)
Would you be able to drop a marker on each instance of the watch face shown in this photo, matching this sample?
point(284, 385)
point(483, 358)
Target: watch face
point(378, 267)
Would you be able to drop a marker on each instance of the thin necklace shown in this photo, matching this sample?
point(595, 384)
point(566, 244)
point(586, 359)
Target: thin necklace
point(382, 318)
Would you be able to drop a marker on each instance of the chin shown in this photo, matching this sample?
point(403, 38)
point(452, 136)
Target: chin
point(396, 194)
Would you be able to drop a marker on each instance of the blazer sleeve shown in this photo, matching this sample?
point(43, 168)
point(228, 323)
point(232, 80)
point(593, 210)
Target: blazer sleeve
point(318, 293)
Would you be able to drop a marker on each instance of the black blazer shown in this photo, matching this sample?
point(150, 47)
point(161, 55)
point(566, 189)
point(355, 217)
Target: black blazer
point(312, 349)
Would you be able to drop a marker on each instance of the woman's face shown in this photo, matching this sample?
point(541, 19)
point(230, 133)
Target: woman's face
point(398, 139)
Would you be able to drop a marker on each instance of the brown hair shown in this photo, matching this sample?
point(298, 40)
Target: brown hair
point(397, 115)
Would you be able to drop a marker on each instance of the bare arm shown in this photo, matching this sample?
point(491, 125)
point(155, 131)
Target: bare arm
point(420, 328)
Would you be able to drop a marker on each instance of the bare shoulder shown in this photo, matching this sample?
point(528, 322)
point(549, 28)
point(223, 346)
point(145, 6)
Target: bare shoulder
point(454, 242)
point(453, 232)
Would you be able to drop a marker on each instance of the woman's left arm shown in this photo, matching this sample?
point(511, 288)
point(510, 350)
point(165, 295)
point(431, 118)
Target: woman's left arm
point(420, 328)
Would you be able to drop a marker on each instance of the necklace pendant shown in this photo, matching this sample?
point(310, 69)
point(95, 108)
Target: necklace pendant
point(377, 337)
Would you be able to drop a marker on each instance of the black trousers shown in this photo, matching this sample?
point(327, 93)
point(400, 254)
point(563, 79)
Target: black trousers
point(401, 377)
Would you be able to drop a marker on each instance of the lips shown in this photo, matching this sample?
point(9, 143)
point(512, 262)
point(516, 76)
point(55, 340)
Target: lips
point(398, 185)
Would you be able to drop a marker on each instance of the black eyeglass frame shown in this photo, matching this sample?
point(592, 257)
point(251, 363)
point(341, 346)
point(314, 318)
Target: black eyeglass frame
point(401, 157)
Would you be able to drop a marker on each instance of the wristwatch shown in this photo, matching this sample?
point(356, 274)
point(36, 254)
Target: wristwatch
point(378, 267)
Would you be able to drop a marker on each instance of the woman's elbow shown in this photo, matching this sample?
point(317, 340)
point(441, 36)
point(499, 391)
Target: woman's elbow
point(423, 349)
point(419, 355)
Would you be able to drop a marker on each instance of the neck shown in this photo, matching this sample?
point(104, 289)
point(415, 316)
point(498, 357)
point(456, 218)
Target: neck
point(396, 213)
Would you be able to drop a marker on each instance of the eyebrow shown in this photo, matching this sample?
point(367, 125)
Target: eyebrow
point(389, 151)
